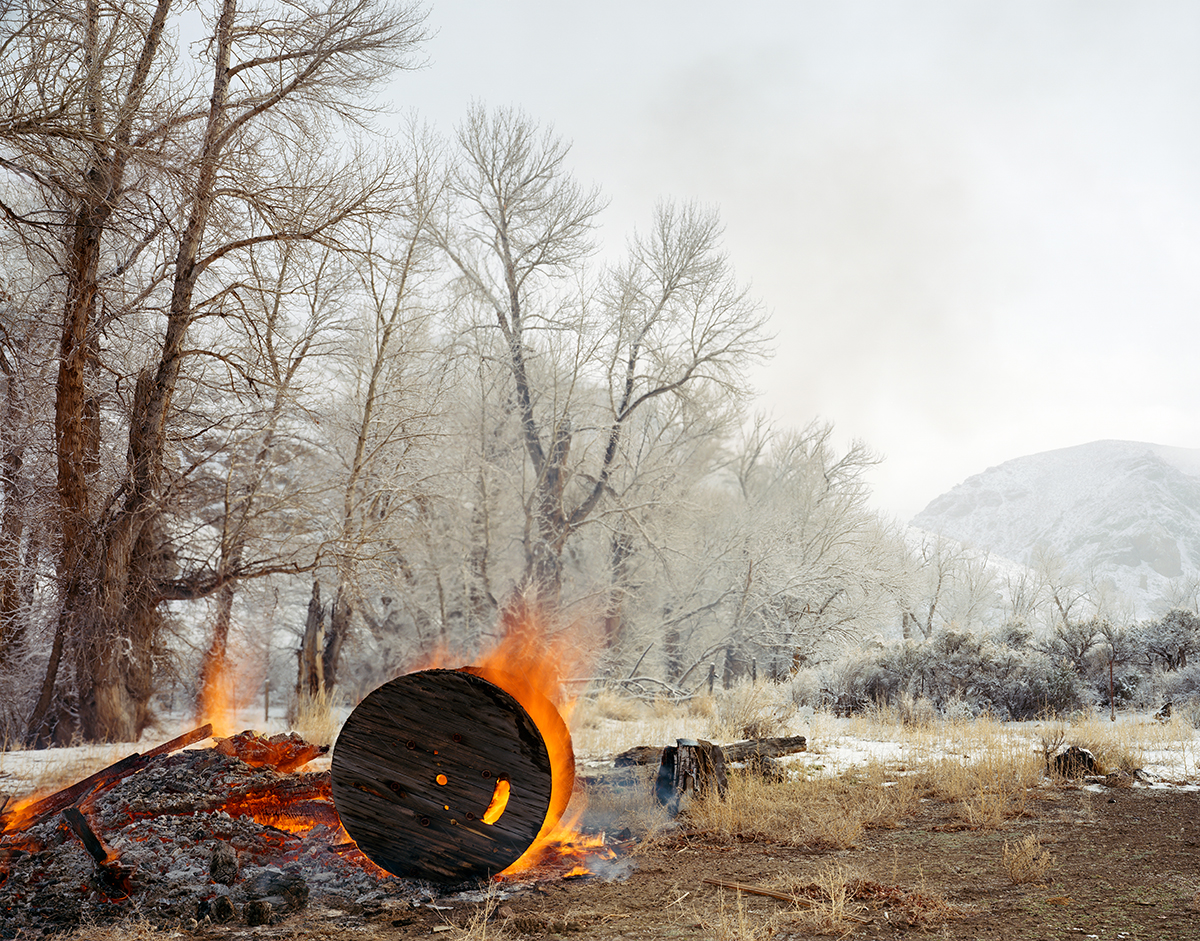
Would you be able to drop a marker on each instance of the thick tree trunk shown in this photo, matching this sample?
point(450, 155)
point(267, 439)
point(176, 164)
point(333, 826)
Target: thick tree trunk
point(93, 563)
point(122, 619)
point(310, 678)
point(340, 615)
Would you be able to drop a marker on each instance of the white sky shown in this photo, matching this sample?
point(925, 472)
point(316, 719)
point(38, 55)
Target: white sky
point(976, 224)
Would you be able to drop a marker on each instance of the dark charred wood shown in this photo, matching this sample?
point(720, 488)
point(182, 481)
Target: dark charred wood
point(112, 877)
point(87, 836)
point(104, 778)
point(422, 763)
point(690, 768)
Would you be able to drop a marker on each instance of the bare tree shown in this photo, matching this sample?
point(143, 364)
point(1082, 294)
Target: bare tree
point(150, 187)
point(391, 393)
point(582, 356)
point(778, 559)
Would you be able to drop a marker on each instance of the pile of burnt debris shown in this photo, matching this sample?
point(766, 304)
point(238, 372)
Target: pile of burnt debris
point(232, 833)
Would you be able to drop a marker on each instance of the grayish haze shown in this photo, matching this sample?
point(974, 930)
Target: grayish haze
point(975, 224)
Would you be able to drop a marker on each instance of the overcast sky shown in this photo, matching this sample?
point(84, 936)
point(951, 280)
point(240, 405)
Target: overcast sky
point(976, 225)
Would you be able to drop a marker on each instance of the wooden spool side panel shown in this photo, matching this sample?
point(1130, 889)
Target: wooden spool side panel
point(416, 766)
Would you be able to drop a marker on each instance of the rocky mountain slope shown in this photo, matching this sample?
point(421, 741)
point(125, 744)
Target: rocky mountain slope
point(1124, 511)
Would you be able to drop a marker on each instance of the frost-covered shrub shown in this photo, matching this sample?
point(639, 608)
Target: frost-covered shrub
point(1181, 685)
point(807, 686)
point(961, 673)
point(1040, 686)
point(1014, 634)
point(1130, 687)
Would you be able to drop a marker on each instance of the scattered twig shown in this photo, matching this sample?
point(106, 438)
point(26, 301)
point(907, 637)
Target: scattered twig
point(772, 894)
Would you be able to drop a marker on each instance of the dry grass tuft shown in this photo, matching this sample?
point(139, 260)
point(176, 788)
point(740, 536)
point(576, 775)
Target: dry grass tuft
point(483, 923)
point(316, 718)
point(826, 813)
point(751, 710)
point(740, 924)
point(834, 906)
point(128, 930)
point(837, 898)
point(606, 704)
point(1026, 860)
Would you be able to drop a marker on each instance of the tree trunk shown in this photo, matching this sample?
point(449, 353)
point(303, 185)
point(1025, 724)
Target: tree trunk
point(310, 679)
point(116, 658)
point(340, 616)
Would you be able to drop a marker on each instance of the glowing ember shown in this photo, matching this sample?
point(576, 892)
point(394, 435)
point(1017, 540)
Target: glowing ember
point(498, 803)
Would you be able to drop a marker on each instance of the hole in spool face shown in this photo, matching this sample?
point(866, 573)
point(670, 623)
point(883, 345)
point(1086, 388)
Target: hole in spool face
point(498, 803)
point(442, 779)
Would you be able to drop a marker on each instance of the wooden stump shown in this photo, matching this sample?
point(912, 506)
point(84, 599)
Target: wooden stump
point(690, 767)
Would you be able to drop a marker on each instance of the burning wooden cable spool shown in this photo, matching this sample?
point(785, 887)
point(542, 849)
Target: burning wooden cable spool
point(443, 775)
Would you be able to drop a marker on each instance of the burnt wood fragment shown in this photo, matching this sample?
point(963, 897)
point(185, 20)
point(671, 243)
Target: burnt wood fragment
point(104, 778)
point(111, 875)
point(223, 864)
point(690, 768)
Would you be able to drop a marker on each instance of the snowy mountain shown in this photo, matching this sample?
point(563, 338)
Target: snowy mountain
point(1121, 510)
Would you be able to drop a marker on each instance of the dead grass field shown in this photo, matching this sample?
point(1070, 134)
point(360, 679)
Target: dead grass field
point(886, 826)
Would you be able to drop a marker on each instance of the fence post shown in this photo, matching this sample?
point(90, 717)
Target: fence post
point(712, 677)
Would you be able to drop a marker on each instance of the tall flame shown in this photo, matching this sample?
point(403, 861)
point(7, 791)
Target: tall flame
point(227, 686)
point(529, 661)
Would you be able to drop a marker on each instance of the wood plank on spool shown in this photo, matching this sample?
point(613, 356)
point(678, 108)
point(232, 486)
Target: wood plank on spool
point(408, 820)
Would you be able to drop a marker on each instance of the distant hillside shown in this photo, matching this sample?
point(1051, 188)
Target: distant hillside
point(1127, 510)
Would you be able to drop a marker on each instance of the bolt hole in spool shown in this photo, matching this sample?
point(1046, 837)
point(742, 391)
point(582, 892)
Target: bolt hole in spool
point(446, 806)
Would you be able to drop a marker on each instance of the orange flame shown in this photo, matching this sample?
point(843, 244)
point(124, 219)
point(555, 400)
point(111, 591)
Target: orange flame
point(529, 661)
point(18, 814)
point(225, 689)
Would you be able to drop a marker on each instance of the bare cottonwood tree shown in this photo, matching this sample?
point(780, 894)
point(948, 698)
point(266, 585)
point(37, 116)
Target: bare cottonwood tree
point(143, 187)
point(582, 353)
point(389, 393)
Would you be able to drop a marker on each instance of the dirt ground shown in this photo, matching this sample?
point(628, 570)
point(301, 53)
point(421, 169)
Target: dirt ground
point(1123, 865)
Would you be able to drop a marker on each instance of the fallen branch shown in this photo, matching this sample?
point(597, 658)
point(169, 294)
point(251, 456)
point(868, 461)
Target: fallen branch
point(781, 896)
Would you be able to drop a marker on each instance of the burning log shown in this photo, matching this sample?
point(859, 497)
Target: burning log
point(282, 752)
point(114, 878)
point(187, 830)
point(442, 775)
point(23, 818)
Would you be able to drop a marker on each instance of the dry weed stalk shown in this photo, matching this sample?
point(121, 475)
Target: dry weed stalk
point(315, 717)
point(739, 926)
point(838, 908)
point(1026, 860)
point(481, 925)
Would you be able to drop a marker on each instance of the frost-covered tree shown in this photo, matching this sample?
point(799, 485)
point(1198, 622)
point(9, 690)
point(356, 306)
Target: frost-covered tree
point(579, 354)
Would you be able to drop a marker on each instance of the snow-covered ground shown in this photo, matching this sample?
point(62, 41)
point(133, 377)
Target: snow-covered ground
point(1168, 751)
